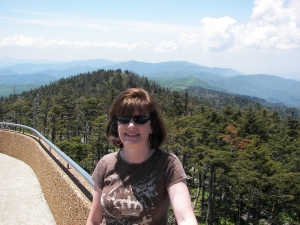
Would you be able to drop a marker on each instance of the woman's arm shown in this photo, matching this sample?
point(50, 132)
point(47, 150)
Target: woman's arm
point(96, 213)
point(181, 204)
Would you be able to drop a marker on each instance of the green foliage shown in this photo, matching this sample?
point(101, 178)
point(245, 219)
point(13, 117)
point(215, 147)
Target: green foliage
point(242, 159)
point(73, 148)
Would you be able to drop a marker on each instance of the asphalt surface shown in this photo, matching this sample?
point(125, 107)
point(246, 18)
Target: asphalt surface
point(21, 198)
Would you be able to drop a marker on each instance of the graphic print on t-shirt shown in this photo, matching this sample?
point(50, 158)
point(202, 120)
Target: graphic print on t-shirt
point(125, 204)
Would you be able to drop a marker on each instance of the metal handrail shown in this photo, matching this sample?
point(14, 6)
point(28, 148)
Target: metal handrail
point(86, 176)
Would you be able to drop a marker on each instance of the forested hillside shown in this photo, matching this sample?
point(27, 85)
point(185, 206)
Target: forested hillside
point(242, 158)
point(173, 74)
point(271, 88)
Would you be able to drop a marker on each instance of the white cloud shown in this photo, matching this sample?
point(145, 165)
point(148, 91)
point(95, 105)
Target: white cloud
point(19, 41)
point(274, 25)
point(126, 46)
point(270, 11)
point(215, 35)
point(167, 47)
point(22, 41)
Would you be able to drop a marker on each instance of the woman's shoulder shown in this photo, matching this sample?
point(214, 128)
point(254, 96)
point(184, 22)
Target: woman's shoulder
point(167, 155)
point(107, 161)
point(109, 157)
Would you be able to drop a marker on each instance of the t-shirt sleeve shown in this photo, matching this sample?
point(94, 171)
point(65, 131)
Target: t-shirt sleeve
point(99, 173)
point(174, 172)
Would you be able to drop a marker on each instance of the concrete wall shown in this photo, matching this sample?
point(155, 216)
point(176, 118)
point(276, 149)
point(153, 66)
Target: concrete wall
point(68, 196)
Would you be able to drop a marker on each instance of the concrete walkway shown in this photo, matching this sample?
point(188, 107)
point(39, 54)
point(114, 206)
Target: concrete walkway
point(21, 198)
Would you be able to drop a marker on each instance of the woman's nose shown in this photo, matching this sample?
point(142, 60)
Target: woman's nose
point(131, 123)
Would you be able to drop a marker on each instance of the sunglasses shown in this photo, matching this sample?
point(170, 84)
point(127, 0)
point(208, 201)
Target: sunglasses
point(139, 119)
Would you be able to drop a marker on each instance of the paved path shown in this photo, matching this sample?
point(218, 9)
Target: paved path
point(21, 198)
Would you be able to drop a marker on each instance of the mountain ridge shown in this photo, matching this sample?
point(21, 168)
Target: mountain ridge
point(171, 74)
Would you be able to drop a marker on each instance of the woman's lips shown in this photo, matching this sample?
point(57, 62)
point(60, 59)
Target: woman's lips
point(132, 135)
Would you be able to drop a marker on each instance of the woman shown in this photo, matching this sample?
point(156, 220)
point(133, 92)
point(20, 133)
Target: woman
point(137, 184)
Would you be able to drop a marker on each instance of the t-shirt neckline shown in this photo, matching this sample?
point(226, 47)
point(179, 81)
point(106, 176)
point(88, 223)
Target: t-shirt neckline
point(119, 158)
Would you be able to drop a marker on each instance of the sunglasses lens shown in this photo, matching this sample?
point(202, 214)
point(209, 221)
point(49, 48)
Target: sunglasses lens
point(123, 119)
point(141, 119)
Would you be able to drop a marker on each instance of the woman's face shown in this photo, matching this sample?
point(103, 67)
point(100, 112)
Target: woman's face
point(134, 135)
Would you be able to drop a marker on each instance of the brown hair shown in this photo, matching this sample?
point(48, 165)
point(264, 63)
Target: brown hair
point(129, 101)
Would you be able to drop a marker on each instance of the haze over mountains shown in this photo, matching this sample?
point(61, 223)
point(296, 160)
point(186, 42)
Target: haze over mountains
point(17, 75)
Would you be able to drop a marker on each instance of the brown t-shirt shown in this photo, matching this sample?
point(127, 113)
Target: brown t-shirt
point(136, 194)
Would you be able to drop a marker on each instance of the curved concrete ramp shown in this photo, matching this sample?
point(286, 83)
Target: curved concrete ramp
point(21, 198)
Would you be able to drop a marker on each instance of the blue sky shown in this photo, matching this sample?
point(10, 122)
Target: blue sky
point(251, 36)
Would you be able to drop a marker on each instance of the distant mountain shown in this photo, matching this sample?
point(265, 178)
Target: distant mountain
point(173, 74)
point(26, 68)
point(6, 72)
point(73, 71)
point(34, 78)
point(143, 68)
point(8, 61)
point(185, 83)
point(271, 88)
point(18, 89)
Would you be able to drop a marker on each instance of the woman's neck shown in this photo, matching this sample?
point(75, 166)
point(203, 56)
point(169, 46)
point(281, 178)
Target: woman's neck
point(136, 156)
